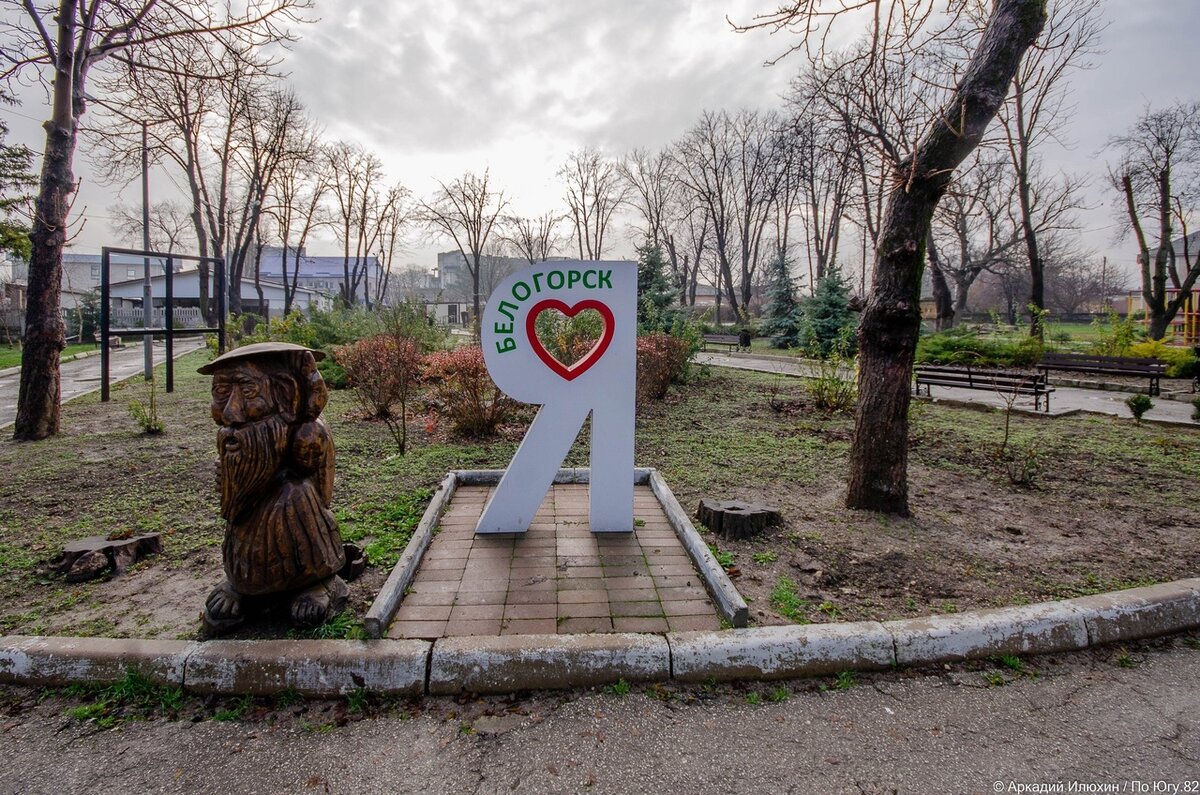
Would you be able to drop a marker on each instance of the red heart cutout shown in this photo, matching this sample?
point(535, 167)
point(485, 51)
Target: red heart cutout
point(580, 367)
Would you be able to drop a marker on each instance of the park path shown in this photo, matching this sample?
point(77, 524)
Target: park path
point(82, 376)
point(1065, 400)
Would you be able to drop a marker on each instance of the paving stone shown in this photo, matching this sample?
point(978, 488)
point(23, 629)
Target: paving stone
point(638, 609)
point(584, 596)
point(693, 623)
point(682, 594)
point(639, 624)
point(478, 585)
point(581, 584)
point(480, 598)
point(426, 598)
point(632, 594)
point(440, 575)
point(626, 583)
point(482, 627)
point(584, 610)
point(417, 629)
point(523, 611)
point(572, 626)
point(690, 607)
point(476, 612)
point(529, 626)
point(412, 612)
point(526, 597)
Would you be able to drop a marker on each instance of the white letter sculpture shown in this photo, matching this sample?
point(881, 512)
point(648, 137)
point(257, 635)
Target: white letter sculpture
point(601, 383)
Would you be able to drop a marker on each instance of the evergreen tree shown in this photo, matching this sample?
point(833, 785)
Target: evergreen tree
point(655, 294)
point(781, 316)
point(827, 321)
point(17, 180)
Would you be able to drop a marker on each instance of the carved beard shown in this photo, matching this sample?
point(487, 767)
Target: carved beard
point(250, 454)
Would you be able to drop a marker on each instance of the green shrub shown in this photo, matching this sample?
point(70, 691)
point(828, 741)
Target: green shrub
point(1196, 409)
point(965, 347)
point(569, 339)
point(1115, 334)
point(1181, 362)
point(1139, 404)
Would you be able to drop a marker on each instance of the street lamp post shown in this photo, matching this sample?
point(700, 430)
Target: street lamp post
point(147, 284)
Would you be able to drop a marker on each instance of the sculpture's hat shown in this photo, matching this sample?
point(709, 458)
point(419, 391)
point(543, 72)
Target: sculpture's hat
point(257, 349)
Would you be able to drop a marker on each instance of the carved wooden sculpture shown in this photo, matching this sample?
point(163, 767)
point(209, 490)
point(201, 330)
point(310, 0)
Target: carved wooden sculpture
point(276, 481)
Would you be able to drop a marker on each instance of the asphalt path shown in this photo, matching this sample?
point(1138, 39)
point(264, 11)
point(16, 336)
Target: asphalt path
point(81, 376)
point(1093, 720)
point(1064, 400)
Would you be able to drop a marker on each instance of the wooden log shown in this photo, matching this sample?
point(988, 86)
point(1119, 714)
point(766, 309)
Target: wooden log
point(735, 519)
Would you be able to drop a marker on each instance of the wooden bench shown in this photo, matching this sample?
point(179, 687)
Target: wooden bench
point(1152, 369)
point(1012, 382)
point(729, 341)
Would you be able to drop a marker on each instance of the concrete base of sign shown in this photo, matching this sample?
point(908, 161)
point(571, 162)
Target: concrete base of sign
point(728, 602)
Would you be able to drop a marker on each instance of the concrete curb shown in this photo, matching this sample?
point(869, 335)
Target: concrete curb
point(509, 663)
point(328, 668)
point(786, 652)
point(310, 667)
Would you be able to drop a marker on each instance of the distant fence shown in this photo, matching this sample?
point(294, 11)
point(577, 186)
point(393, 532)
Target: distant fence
point(185, 317)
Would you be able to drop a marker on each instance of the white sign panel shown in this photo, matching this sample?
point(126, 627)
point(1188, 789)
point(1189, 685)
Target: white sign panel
point(601, 383)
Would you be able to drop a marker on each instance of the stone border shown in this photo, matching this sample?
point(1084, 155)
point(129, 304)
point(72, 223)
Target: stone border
point(729, 602)
point(387, 601)
point(328, 668)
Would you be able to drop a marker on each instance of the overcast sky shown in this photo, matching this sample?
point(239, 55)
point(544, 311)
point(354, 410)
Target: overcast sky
point(438, 87)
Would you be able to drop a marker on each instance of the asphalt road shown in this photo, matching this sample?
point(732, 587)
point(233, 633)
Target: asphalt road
point(81, 376)
point(1082, 718)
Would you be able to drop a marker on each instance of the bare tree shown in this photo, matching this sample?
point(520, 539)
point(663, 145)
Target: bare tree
point(535, 239)
point(1076, 279)
point(466, 211)
point(170, 225)
point(891, 319)
point(594, 192)
point(731, 167)
point(1158, 180)
point(1036, 112)
point(354, 175)
point(972, 229)
point(394, 214)
point(64, 41)
point(295, 199)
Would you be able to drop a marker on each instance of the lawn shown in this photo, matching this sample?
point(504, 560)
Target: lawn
point(1109, 504)
point(10, 355)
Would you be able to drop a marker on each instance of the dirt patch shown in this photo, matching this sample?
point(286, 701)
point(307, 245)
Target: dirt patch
point(1108, 505)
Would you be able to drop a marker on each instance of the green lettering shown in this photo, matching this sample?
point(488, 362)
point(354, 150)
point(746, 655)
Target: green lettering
point(503, 328)
point(586, 274)
point(505, 312)
point(606, 279)
point(521, 286)
point(550, 280)
point(573, 278)
point(537, 285)
point(505, 345)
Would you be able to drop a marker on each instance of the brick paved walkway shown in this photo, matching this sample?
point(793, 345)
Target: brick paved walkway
point(556, 578)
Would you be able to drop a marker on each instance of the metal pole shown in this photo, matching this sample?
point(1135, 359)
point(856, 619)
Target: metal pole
point(104, 324)
point(169, 324)
point(147, 291)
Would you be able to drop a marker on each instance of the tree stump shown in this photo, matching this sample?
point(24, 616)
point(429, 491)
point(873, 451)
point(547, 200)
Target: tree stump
point(734, 519)
point(95, 556)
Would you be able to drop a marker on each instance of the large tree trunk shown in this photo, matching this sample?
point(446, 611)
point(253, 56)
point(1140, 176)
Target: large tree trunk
point(878, 478)
point(40, 390)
